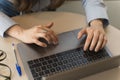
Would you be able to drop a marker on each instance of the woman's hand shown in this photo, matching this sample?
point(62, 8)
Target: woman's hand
point(33, 34)
point(96, 37)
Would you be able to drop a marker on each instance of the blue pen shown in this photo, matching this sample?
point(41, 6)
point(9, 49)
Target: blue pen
point(18, 68)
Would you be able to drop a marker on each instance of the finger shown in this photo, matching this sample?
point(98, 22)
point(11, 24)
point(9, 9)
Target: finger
point(94, 40)
point(80, 34)
point(88, 40)
point(99, 44)
point(52, 34)
point(49, 25)
point(37, 42)
point(54, 38)
point(104, 42)
point(47, 29)
point(45, 36)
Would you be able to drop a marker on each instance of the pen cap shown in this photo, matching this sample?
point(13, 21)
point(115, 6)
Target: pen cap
point(19, 70)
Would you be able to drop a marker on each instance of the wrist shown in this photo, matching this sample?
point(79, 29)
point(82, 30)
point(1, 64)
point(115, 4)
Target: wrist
point(15, 31)
point(96, 22)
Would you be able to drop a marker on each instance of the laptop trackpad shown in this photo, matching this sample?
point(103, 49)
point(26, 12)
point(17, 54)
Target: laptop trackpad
point(67, 41)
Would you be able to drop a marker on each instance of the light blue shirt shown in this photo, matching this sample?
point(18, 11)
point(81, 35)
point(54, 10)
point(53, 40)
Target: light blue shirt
point(95, 9)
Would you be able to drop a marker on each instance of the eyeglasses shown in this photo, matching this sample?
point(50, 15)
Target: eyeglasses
point(5, 71)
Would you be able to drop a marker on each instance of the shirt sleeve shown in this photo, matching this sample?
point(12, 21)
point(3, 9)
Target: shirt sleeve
point(95, 9)
point(5, 23)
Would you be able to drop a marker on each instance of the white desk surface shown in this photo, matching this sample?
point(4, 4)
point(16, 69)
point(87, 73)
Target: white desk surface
point(63, 22)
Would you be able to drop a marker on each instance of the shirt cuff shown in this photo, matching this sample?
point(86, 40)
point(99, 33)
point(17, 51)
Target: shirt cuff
point(105, 22)
point(97, 12)
point(5, 23)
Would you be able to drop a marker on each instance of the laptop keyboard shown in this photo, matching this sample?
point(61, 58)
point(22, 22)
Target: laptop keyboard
point(64, 61)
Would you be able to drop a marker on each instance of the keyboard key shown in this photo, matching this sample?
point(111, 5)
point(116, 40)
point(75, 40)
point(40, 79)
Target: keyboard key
point(49, 66)
point(30, 62)
point(58, 68)
point(47, 72)
point(43, 68)
point(50, 61)
point(36, 61)
point(54, 64)
point(35, 75)
point(55, 60)
point(38, 69)
point(47, 58)
point(41, 59)
point(44, 63)
point(41, 73)
point(52, 70)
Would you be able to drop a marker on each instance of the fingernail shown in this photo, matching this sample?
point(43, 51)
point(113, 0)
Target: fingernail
point(96, 50)
point(85, 49)
point(91, 49)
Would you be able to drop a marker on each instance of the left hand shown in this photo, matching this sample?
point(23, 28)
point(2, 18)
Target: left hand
point(96, 36)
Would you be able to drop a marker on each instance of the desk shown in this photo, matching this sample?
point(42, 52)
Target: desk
point(63, 22)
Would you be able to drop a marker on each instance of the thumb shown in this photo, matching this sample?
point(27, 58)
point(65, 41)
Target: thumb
point(81, 33)
point(50, 25)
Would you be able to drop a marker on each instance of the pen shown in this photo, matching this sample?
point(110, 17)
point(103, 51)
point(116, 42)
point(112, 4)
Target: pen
point(18, 68)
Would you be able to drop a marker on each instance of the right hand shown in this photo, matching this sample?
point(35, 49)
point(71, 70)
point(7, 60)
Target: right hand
point(33, 34)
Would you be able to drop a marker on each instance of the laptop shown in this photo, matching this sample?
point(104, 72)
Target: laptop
point(65, 61)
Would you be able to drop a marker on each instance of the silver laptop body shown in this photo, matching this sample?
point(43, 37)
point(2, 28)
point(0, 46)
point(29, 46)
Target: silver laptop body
point(67, 41)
